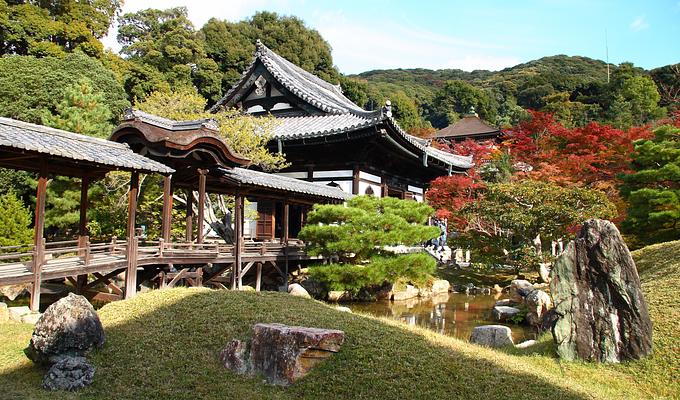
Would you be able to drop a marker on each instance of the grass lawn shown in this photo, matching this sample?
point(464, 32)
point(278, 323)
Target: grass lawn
point(164, 345)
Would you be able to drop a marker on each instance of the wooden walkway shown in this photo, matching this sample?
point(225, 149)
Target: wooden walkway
point(73, 259)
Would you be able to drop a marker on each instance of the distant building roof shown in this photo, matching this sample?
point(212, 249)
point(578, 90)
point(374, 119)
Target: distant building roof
point(50, 142)
point(468, 126)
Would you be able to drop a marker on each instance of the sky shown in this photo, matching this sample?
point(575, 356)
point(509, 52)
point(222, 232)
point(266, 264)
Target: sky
point(474, 34)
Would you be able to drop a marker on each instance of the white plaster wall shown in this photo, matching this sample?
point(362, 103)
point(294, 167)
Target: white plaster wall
point(364, 185)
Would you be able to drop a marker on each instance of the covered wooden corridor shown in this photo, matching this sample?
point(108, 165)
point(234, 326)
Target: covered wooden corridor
point(191, 157)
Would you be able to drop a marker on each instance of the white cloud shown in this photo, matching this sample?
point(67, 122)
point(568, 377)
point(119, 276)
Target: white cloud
point(639, 23)
point(358, 48)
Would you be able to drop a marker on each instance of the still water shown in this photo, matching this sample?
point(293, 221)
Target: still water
point(451, 314)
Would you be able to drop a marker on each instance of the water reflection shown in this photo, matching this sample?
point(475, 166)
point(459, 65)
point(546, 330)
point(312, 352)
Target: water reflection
point(451, 314)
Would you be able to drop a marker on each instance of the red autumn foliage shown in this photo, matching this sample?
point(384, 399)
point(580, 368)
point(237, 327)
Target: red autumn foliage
point(449, 194)
point(592, 155)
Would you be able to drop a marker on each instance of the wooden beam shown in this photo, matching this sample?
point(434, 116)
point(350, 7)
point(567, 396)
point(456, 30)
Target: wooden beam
point(190, 215)
point(258, 277)
point(38, 237)
point(285, 222)
point(201, 204)
point(83, 232)
point(167, 208)
point(355, 180)
point(131, 256)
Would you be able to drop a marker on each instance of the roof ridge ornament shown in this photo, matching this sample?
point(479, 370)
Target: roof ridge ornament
point(387, 109)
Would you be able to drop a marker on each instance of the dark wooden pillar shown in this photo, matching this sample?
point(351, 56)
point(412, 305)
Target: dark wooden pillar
point(83, 234)
point(38, 240)
point(202, 174)
point(131, 271)
point(237, 281)
point(355, 180)
point(190, 215)
point(167, 208)
point(284, 240)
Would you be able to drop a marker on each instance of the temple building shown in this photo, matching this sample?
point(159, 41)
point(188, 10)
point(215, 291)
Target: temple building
point(468, 127)
point(330, 140)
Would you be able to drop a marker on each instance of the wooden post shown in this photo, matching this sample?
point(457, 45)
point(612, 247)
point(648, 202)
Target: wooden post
point(355, 180)
point(284, 241)
point(238, 239)
point(38, 240)
point(83, 238)
point(190, 215)
point(167, 208)
point(202, 174)
point(258, 277)
point(131, 272)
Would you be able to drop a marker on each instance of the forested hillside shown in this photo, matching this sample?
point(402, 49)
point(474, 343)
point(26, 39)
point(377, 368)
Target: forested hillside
point(576, 89)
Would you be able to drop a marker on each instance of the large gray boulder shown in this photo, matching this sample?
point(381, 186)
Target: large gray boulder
point(69, 373)
point(538, 303)
point(69, 327)
point(601, 312)
point(491, 336)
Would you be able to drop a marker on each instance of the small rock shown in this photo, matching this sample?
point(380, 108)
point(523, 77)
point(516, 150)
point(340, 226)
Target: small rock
point(410, 293)
point(519, 289)
point(504, 302)
point(504, 313)
point(339, 295)
point(69, 373)
point(31, 318)
point(538, 303)
point(15, 313)
point(4, 313)
point(492, 336)
point(68, 327)
point(14, 291)
point(343, 309)
point(525, 344)
point(296, 289)
point(245, 288)
point(440, 286)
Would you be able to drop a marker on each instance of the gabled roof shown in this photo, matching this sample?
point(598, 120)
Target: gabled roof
point(170, 124)
point(470, 125)
point(249, 177)
point(305, 85)
point(68, 146)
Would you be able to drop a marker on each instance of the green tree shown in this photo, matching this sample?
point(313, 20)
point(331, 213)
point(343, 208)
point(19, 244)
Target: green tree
point(358, 231)
point(53, 28)
point(81, 111)
point(31, 86)
point(653, 190)
point(643, 96)
point(405, 111)
point(456, 98)
point(508, 219)
point(231, 45)
point(165, 40)
point(15, 221)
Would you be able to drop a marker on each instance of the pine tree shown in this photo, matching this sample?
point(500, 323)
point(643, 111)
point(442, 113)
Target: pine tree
point(82, 110)
point(653, 190)
point(15, 221)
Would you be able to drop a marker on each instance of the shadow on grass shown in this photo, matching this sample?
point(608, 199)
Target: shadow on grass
point(164, 345)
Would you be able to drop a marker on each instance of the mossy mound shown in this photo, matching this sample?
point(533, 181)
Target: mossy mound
point(164, 345)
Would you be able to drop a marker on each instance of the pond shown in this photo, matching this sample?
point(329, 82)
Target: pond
point(452, 314)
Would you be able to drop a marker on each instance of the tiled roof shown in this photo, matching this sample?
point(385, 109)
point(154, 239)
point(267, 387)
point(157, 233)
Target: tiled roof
point(277, 182)
point(169, 124)
point(55, 142)
point(469, 125)
point(290, 128)
point(308, 87)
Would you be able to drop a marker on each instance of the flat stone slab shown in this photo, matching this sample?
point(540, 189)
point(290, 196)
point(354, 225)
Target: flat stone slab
point(15, 313)
point(504, 313)
point(282, 353)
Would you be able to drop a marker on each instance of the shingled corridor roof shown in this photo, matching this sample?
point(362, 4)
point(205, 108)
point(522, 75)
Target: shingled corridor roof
point(23, 137)
point(249, 177)
point(470, 125)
